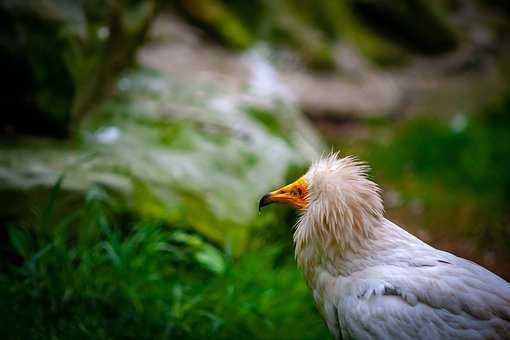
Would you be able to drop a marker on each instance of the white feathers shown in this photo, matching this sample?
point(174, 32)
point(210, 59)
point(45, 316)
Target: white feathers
point(343, 207)
point(372, 279)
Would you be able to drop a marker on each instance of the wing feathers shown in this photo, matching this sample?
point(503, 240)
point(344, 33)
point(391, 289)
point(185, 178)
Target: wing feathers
point(442, 301)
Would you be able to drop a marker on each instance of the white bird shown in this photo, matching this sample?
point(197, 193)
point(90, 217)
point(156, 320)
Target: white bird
point(371, 279)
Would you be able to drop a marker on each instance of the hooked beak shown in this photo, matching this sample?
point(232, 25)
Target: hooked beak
point(265, 200)
point(294, 194)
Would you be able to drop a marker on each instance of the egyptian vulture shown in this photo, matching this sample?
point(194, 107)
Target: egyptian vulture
point(370, 278)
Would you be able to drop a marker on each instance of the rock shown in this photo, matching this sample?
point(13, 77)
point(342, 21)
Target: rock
point(357, 90)
point(193, 153)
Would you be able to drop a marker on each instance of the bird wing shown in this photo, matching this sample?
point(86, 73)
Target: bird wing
point(429, 298)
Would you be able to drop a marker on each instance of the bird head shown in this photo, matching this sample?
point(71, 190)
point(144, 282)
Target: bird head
point(335, 197)
point(331, 181)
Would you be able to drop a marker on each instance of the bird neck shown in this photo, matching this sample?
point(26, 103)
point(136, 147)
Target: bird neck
point(334, 243)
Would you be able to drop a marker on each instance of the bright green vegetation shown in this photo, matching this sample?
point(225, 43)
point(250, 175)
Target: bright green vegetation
point(86, 276)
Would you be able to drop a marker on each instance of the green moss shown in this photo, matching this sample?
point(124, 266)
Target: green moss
point(268, 119)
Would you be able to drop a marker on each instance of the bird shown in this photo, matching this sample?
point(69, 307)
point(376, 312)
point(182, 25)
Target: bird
point(371, 279)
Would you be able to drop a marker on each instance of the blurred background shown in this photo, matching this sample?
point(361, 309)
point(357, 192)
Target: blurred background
point(138, 136)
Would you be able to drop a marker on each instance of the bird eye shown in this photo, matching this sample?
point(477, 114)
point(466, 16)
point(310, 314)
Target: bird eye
point(300, 191)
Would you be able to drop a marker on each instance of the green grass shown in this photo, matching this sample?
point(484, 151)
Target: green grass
point(475, 158)
point(457, 176)
point(471, 165)
point(86, 276)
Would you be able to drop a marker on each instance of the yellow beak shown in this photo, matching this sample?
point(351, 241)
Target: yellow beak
point(294, 194)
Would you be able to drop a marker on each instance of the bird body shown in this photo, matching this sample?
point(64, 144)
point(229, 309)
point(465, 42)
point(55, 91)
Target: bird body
point(371, 279)
point(403, 288)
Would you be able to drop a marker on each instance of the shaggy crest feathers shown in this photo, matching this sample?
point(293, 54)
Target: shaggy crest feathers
point(343, 208)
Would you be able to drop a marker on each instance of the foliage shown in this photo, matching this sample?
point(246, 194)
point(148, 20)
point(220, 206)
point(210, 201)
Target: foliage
point(86, 277)
point(456, 170)
point(397, 21)
point(474, 157)
point(312, 28)
point(65, 56)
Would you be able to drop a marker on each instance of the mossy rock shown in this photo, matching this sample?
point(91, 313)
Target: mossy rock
point(193, 155)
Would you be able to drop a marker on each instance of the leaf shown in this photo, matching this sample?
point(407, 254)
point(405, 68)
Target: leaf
point(52, 197)
point(21, 241)
point(210, 258)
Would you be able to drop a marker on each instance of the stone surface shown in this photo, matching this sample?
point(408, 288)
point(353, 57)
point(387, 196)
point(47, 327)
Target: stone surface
point(358, 89)
point(194, 154)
